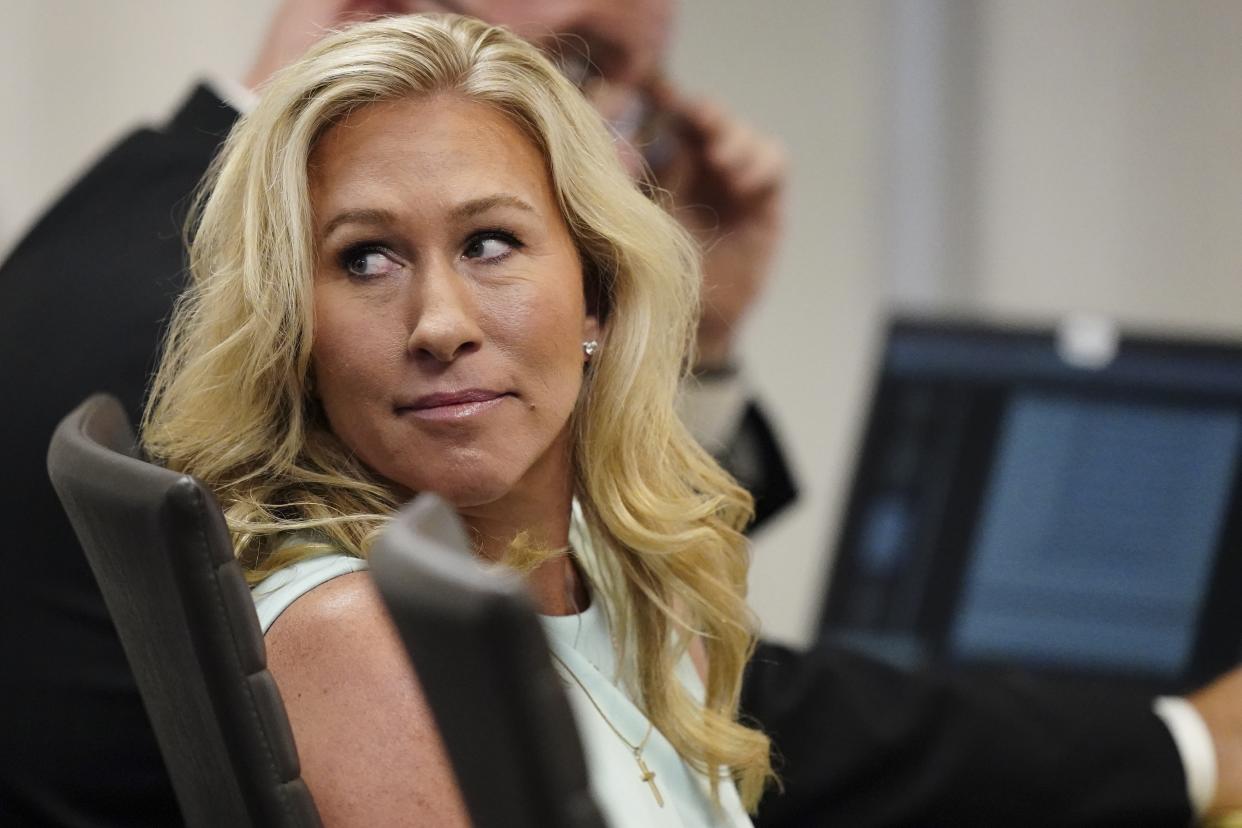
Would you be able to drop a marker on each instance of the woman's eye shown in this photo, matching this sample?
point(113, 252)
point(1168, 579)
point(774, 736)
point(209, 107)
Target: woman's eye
point(367, 263)
point(490, 247)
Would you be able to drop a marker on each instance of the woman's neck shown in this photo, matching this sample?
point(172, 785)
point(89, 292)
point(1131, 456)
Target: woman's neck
point(556, 584)
point(559, 587)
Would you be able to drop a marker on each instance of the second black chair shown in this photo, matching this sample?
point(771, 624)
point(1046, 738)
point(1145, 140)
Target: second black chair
point(482, 660)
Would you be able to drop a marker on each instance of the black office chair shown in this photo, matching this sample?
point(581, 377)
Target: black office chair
point(483, 663)
point(157, 543)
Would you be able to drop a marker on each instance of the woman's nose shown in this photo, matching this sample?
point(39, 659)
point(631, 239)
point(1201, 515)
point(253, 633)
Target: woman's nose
point(444, 320)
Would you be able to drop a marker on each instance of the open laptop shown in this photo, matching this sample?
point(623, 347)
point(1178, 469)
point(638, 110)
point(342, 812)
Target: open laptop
point(1065, 501)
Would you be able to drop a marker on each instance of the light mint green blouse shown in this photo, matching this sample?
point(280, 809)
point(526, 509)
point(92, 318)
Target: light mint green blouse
point(583, 644)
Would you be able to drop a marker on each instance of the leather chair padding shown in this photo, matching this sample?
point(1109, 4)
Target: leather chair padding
point(158, 545)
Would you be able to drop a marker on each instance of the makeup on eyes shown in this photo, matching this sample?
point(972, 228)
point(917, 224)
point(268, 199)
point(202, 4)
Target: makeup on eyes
point(351, 254)
point(507, 237)
point(354, 253)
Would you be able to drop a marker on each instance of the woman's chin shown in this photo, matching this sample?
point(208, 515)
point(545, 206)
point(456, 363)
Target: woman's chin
point(469, 494)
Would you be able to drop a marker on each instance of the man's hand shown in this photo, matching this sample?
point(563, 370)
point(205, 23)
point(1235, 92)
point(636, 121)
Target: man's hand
point(1220, 705)
point(728, 185)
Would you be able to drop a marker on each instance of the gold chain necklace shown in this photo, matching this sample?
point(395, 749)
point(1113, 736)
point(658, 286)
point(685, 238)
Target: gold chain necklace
point(647, 774)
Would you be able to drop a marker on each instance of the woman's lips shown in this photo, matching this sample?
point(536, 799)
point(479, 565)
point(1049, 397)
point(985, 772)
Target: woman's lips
point(453, 405)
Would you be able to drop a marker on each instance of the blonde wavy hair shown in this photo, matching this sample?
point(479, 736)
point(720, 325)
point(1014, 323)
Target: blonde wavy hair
point(231, 401)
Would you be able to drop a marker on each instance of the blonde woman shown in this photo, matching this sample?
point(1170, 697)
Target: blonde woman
point(421, 267)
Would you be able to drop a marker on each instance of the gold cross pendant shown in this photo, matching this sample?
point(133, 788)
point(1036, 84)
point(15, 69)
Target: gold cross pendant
point(648, 777)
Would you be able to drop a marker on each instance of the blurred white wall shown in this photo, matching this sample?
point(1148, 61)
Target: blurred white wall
point(1012, 158)
point(1111, 161)
point(815, 74)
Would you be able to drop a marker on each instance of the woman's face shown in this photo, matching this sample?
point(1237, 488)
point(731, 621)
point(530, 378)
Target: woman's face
point(449, 309)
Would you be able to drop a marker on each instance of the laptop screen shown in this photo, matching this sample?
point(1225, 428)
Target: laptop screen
point(1011, 508)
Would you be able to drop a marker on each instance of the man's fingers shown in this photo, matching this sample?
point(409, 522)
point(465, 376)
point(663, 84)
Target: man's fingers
point(763, 172)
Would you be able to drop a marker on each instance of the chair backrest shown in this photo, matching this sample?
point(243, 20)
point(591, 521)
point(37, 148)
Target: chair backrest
point(483, 663)
point(157, 543)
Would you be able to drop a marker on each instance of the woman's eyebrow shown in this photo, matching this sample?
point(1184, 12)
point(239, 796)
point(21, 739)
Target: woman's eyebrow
point(467, 209)
point(481, 205)
point(360, 216)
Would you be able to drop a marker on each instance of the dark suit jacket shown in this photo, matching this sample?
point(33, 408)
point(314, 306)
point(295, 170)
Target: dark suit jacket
point(84, 299)
point(82, 303)
point(862, 744)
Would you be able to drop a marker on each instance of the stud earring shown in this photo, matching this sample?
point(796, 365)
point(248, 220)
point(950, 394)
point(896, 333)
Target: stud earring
point(589, 347)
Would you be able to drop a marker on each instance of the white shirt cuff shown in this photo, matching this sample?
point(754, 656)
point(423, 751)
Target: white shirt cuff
point(233, 93)
point(1194, 744)
point(712, 408)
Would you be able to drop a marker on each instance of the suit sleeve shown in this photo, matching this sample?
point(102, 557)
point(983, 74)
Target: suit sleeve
point(861, 744)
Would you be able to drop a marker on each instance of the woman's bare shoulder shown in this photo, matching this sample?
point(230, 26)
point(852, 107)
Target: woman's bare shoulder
point(328, 620)
point(366, 739)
